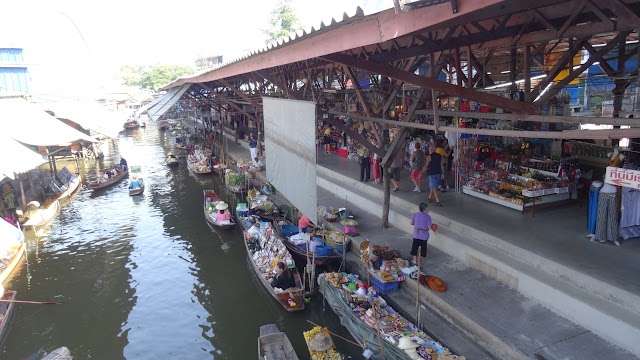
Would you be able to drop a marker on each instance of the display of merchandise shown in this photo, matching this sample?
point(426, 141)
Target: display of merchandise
point(267, 250)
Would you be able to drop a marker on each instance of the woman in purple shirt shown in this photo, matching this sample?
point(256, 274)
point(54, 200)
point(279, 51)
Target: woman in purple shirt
point(421, 224)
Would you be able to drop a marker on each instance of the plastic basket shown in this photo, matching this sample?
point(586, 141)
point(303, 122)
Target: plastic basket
point(339, 247)
point(384, 288)
point(324, 250)
point(289, 230)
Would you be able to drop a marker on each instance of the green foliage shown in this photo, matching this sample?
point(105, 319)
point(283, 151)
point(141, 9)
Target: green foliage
point(284, 21)
point(152, 77)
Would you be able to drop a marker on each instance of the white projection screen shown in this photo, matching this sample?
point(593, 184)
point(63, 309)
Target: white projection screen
point(290, 146)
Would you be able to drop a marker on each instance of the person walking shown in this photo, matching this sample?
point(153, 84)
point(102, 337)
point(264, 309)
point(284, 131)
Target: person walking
point(376, 169)
point(435, 173)
point(365, 163)
point(442, 150)
point(421, 222)
point(394, 170)
point(253, 147)
point(417, 166)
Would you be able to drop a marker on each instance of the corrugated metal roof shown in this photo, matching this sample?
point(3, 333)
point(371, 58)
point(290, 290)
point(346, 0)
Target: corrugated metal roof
point(14, 81)
point(11, 55)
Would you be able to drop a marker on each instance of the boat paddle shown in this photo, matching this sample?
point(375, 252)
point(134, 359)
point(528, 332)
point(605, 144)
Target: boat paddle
point(33, 302)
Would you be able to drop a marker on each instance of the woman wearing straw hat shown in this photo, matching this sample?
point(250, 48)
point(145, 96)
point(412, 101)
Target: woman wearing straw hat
point(223, 215)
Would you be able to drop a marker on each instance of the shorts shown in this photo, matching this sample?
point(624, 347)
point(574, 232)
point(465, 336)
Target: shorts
point(395, 173)
point(326, 140)
point(416, 175)
point(416, 244)
point(434, 181)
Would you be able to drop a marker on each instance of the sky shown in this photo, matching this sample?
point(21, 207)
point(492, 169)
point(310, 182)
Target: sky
point(75, 48)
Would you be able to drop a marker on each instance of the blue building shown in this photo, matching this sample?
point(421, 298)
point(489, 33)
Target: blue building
point(14, 75)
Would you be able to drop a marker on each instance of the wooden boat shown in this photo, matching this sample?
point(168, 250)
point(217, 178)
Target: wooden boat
point(211, 199)
point(112, 181)
point(300, 254)
point(136, 182)
point(6, 309)
point(43, 216)
point(274, 344)
point(15, 259)
point(60, 353)
point(199, 162)
point(329, 353)
point(12, 236)
point(130, 125)
point(201, 171)
point(291, 299)
point(172, 160)
point(65, 183)
point(133, 191)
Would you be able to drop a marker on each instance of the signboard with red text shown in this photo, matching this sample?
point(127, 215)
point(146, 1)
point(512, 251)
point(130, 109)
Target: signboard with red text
point(622, 177)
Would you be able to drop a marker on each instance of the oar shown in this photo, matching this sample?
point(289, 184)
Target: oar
point(33, 302)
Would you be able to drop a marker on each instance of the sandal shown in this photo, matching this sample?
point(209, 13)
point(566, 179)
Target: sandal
point(438, 203)
point(429, 200)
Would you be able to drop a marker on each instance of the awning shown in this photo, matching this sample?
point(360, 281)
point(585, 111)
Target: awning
point(151, 104)
point(170, 99)
point(89, 116)
point(30, 125)
point(18, 158)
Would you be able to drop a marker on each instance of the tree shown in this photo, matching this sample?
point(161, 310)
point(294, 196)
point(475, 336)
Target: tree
point(284, 22)
point(131, 74)
point(152, 77)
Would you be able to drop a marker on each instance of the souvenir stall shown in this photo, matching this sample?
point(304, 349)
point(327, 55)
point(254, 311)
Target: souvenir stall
point(376, 325)
point(514, 172)
point(386, 269)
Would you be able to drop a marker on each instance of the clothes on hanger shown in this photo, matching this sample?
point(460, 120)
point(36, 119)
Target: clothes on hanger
point(607, 225)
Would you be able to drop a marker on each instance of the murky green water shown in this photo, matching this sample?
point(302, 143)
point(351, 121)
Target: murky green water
point(147, 278)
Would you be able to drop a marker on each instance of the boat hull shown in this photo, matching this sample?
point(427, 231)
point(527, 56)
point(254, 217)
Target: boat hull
point(274, 344)
point(110, 182)
point(214, 198)
point(15, 260)
point(134, 192)
point(301, 255)
point(6, 308)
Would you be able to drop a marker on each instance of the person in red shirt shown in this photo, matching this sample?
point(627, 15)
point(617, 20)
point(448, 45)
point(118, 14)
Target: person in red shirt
point(304, 223)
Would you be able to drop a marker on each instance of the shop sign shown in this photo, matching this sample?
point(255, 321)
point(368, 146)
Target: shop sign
point(622, 177)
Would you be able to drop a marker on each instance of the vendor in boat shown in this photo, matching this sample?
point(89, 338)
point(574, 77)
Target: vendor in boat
point(304, 223)
point(284, 278)
point(253, 210)
point(223, 214)
point(123, 164)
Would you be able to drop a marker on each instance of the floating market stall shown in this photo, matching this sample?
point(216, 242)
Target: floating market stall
point(12, 249)
point(236, 182)
point(199, 162)
point(320, 344)
point(265, 251)
point(371, 321)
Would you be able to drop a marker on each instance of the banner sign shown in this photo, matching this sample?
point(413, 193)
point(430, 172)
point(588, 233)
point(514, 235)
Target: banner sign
point(622, 177)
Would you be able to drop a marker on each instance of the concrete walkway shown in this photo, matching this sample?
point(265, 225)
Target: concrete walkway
point(506, 323)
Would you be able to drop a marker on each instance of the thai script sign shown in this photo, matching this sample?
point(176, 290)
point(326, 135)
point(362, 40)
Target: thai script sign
point(622, 177)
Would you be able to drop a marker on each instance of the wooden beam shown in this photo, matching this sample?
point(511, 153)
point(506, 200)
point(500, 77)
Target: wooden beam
point(228, 102)
point(441, 86)
point(281, 86)
point(527, 74)
point(354, 135)
point(566, 134)
point(538, 118)
point(226, 84)
point(365, 107)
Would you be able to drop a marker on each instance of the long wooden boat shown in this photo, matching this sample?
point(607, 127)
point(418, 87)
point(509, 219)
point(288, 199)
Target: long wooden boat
point(211, 199)
point(171, 160)
point(298, 253)
point(201, 171)
point(72, 186)
point(6, 310)
point(290, 299)
point(43, 216)
point(112, 181)
point(137, 191)
point(60, 353)
point(15, 259)
point(131, 125)
point(274, 344)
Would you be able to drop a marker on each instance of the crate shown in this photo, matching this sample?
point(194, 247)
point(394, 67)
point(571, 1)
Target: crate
point(562, 190)
point(384, 288)
point(548, 191)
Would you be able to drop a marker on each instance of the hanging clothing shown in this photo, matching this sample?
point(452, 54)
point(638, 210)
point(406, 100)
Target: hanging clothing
point(593, 209)
point(630, 207)
point(607, 219)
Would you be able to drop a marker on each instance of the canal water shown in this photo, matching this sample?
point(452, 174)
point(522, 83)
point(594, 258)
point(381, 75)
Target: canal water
point(146, 277)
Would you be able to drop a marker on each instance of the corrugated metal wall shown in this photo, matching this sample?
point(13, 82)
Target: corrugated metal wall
point(14, 75)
